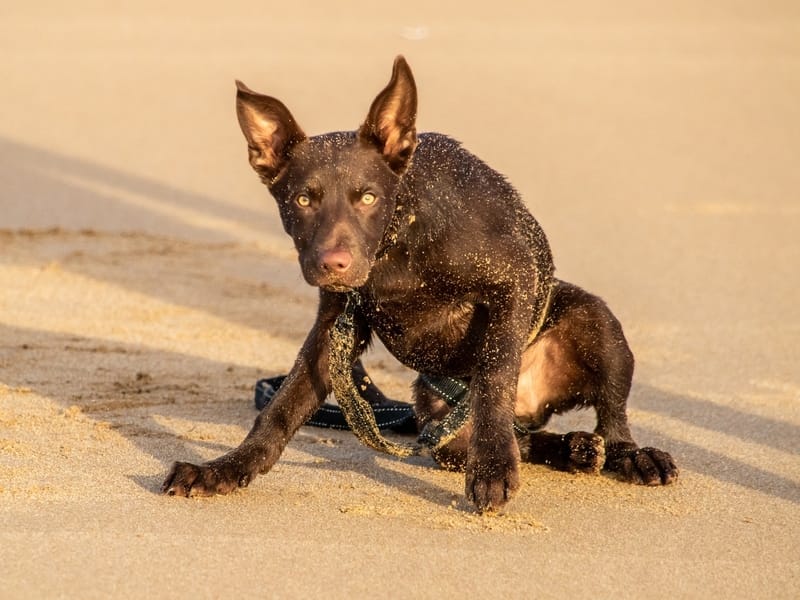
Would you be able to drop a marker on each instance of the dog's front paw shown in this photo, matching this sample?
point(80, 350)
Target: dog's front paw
point(492, 480)
point(646, 466)
point(585, 452)
point(186, 479)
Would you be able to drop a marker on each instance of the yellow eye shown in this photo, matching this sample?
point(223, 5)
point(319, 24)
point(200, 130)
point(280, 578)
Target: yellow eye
point(368, 199)
point(303, 200)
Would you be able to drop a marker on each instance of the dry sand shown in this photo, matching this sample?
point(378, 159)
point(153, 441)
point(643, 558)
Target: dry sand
point(145, 284)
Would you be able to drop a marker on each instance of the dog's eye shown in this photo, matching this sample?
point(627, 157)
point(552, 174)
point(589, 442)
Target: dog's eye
point(368, 198)
point(303, 200)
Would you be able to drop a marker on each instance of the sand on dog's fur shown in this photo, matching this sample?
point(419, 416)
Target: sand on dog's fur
point(145, 285)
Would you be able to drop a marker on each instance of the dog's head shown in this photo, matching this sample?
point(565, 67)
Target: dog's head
point(336, 192)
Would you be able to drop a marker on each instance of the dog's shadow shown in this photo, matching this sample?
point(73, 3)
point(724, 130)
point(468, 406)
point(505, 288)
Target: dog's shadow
point(700, 456)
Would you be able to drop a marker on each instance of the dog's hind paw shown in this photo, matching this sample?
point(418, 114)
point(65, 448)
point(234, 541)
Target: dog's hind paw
point(646, 466)
point(186, 479)
point(586, 452)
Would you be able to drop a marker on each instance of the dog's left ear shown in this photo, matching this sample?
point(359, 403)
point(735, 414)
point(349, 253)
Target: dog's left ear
point(390, 124)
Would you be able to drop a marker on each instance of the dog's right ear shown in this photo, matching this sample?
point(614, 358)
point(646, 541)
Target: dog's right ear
point(391, 121)
point(270, 130)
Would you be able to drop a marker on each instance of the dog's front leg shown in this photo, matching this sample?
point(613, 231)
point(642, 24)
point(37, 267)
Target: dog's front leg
point(304, 390)
point(493, 458)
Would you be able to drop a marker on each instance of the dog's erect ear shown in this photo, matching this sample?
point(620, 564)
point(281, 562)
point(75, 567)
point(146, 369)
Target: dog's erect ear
point(390, 124)
point(270, 130)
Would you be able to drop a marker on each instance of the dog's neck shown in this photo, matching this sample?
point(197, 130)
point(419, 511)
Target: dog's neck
point(392, 231)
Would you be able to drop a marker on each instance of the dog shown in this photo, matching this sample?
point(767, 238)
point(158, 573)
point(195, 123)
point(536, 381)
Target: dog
point(456, 279)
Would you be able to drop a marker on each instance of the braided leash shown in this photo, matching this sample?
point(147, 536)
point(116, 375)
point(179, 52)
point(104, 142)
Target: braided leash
point(358, 412)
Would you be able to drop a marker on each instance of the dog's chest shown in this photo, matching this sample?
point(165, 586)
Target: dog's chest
point(426, 332)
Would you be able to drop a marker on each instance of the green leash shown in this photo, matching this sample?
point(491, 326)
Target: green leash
point(358, 412)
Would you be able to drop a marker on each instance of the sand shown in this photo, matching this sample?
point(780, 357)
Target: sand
point(145, 284)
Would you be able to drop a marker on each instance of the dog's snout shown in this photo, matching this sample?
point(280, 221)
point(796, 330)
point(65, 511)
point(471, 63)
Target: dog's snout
point(335, 261)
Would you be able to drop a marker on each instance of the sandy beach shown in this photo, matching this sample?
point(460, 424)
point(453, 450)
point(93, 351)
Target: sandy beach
point(146, 284)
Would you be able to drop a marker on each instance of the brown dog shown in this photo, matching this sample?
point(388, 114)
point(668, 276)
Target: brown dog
point(456, 278)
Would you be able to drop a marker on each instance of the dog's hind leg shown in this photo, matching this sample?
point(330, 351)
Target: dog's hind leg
point(577, 451)
point(602, 349)
point(648, 466)
point(582, 359)
point(611, 382)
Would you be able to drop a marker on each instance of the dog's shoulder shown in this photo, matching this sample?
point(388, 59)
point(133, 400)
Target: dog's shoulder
point(460, 203)
point(448, 181)
point(440, 152)
point(443, 165)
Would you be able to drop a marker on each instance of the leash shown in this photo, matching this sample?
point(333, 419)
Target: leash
point(390, 414)
point(358, 412)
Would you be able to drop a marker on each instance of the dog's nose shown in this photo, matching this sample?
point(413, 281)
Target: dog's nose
point(335, 261)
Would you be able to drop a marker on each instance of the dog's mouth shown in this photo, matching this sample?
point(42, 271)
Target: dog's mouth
point(338, 288)
point(344, 282)
point(341, 283)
